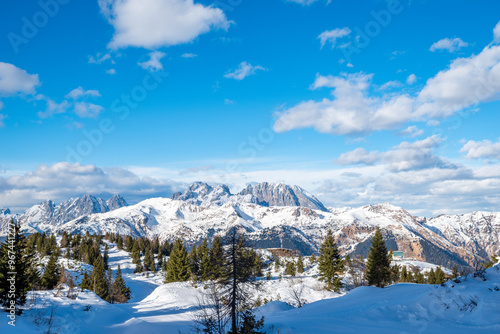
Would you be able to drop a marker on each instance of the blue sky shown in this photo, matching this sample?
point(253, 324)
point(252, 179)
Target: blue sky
point(358, 102)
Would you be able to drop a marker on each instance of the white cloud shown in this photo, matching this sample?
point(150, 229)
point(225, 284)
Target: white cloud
point(154, 62)
point(111, 71)
point(80, 92)
point(14, 80)
point(352, 111)
point(496, 33)
point(303, 2)
point(450, 45)
point(390, 85)
point(87, 110)
point(155, 23)
point(412, 131)
point(412, 78)
point(244, 70)
point(53, 107)
point(99, 58)
point(405, 156)
point(331, 36)
point(189, 55)
point(62, 181)
point(2, 117)
point(355, 109)
point(228, 101)
point(466, 82)
point(481, 149)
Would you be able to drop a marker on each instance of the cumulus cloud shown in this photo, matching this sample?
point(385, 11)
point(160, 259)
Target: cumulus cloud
point(331, 36)
point(156, 23)
point(62, 181)
point(352, 111)
point(87, 110)
point(99, 58)
point(243, 70)
point(154, 62)
point(405, 156)
point(481, 149)
point(496, 33)
point(53, 108)
point(412, 131)
point(80, 92)
point(450, 45)
point(355, 109)
point(412, 78)
point(14, 80)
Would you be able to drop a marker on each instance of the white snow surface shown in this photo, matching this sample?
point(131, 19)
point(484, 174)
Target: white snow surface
point(471, 306)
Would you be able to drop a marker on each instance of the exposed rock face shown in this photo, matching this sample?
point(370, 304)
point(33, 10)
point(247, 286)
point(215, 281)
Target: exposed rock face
point(269, 194)
point(49, 213)
point(116, 202)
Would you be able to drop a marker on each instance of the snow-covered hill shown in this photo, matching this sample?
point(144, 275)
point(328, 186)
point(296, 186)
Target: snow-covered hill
point(468, 305)
point(275, 216)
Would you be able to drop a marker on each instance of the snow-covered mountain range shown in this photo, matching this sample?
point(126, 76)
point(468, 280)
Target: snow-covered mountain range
point(273, 215)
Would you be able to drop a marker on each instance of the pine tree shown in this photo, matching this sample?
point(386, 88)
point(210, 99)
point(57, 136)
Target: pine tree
point(439, 276)
point(300, 264)
point(119, 242)
point(431, 277)
point(120, 291)
point(194, 263)
point(203, 254)
point(216, 259)
point(86, 282)
point(105, 257)
point(178, 264)
point(237, 274)
point(455, 272)
point(378, 269)
point(330, 263)
point(149, 261)
point(249, 325)
point(290, 268)
point(98, 279)
point(313, 258)
point(51, 274)
point(15, 258)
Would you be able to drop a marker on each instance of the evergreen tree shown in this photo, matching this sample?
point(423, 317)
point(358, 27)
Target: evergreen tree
point(119, 242)
point(455, 272)
point(330, 263)
point(178, 264)
point(98, 279)
point(237, 274)
point(313, 258)
point(431, 277)
point(105, 257)
point(290, 268)
point(149, 261)
point(86, 282)
point(378, 267)
point(194, 263)
point(249, 325)
point(204, 257)
point(439, 276)
point(51, 274)
point(119, 290)
point(15, 258)
point(300, 264)
point(216, 259)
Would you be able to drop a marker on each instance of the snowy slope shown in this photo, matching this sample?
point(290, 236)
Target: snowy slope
point(470, 306)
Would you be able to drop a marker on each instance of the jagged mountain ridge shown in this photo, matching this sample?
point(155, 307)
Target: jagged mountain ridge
point(204, 211)
point(264, 194)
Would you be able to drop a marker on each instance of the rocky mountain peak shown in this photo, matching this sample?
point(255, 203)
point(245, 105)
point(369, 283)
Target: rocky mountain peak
point(116, 202)
point(4, 212)
point(279, 194)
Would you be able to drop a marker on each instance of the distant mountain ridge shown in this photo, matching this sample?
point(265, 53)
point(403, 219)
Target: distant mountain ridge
point(273, 216)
